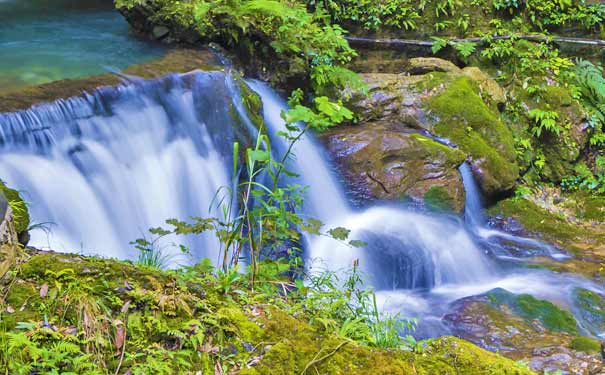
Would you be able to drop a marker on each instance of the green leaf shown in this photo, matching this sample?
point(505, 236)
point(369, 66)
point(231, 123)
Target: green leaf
point(339, 233)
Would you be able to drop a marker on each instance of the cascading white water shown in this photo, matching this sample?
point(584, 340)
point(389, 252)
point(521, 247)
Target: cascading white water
point(502, 244)
point(405, 249)
point(104, 168)
point(473, 207)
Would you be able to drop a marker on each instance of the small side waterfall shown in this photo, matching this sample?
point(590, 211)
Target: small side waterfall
point(104, 168)
point(473, 207)
point(405, 249)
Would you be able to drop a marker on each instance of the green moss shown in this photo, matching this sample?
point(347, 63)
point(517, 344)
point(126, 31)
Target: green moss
point(19, 207)
point(438, 198)
point(98, 291)
point(531, 308)
point(296, 345)
point(586, 345)
point(466, 120)
point(588, 206)
point(537, 220)
point(252, 103)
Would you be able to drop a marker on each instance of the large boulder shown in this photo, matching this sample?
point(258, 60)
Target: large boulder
point(461, 115)
point(387, 161)
point(460, 107)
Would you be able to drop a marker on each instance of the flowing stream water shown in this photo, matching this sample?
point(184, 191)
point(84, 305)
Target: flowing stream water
point(106, 166)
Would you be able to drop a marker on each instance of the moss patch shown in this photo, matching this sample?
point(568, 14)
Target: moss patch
point(535, 219)
point(438, 198)
point(531, 308)
point(586, 345)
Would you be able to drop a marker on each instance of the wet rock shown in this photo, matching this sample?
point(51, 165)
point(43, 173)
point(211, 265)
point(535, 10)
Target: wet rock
point(387, 161)
point(591, 309)
point(497, 327)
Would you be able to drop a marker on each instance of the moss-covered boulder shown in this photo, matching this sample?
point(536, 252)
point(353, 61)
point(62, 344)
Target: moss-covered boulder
point(571, 222)
point(461, 106)
point(384, 161)
point(551, 316)
point(517, 326)
point(462, 116)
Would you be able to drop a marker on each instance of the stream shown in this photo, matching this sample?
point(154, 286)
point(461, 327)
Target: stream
point(48, 40)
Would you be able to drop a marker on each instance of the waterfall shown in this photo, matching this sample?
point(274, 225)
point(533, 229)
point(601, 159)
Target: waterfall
point(103, 168)
point(501, 244)
point(473, 207)
point(405, 249)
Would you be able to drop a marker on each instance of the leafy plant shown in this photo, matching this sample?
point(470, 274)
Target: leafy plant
point(544, 120)
point(590, 81)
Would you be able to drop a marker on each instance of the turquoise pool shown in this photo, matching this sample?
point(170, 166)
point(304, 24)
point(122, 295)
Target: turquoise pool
point(47, 40)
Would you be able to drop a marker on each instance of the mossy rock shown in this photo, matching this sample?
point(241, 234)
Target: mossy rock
point(465, 119)
point(550, 315)
point(439, 199)
point(578, 237)
point(297, 348)
point(562, 149)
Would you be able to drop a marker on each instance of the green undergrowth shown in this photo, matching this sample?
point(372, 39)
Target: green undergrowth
point(72, 314)
point(586, 345)
point(465, 18)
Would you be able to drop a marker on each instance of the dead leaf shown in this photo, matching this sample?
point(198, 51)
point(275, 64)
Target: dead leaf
point(125, 307)
point(120, 337)
point(44, 290)
point(218, 369)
